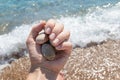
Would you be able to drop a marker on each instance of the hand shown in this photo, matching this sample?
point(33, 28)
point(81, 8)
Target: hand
point(58, 38)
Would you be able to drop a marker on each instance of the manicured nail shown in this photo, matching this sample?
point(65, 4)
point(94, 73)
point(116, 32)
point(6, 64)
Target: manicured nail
point(59, 47)
point(56, 41)
point(52, 36)
point(48, 30)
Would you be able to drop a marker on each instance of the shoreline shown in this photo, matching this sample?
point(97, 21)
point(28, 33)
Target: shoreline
point(101, 62)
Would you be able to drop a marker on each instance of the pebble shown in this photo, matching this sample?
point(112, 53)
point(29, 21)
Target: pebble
point(48, 51)
point(41, 38)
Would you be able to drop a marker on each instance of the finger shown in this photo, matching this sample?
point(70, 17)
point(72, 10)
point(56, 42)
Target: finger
point(67, 46)
point(63, 36)
point(56, 30)
point(34, 32)
point(37, 28)
point(49, 26)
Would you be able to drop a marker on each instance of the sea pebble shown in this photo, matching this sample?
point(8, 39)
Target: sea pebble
point(48, 51)
point(41, 38)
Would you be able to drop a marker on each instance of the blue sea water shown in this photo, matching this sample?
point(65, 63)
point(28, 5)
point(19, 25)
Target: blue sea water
point(16, 12)
point(87, 20)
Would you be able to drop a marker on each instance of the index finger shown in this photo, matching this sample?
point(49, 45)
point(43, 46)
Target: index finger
point(36, 29)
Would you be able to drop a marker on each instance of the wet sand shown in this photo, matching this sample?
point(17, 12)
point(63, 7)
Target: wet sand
point(99, 62)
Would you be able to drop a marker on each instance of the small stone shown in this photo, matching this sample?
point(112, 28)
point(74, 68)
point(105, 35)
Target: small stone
point(41, 38)
point(48, 51)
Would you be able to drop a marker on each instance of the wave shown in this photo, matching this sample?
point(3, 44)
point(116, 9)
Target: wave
point(96, 26)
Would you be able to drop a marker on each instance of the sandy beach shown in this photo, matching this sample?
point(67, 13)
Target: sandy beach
point(98, 62)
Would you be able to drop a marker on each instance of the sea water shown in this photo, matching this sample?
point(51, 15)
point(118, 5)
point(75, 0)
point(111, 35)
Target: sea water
point(87, 20)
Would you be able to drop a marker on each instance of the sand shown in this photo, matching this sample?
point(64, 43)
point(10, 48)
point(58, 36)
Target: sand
point(99, 62)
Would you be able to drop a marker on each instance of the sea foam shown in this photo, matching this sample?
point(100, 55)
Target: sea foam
point(96, 26)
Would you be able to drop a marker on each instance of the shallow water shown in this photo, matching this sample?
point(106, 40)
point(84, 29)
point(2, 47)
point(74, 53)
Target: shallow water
point(17, 12)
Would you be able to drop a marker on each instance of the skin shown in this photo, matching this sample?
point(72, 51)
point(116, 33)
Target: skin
point(42, 69)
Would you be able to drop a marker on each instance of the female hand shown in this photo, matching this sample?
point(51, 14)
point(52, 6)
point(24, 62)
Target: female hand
point(58, 38)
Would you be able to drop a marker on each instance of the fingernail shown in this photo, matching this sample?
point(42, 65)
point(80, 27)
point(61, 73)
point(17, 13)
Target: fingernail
point(48, 30)
point(52, 36)
point(59, 47)
point(56, 41)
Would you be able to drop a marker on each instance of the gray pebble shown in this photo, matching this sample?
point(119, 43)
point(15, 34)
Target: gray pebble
point(48, 51)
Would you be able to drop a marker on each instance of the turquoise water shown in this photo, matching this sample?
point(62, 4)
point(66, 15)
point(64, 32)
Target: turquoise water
point(17, 12)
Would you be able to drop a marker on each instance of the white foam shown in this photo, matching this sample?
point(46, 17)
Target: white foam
point(14, 40)
point(97, 26)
